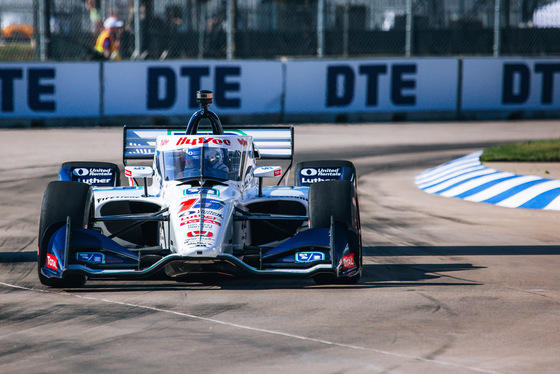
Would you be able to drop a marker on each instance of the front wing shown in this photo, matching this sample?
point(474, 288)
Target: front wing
point(333, 250)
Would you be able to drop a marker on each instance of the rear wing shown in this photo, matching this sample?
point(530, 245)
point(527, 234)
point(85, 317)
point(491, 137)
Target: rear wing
point(272, 142)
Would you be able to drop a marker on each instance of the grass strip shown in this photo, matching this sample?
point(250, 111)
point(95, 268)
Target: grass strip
point(528, 151)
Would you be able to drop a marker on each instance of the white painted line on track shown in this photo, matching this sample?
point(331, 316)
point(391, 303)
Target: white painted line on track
point(256, 329)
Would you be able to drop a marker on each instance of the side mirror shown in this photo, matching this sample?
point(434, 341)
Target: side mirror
point(143, 172)
point(268, 171)
point(138, 172)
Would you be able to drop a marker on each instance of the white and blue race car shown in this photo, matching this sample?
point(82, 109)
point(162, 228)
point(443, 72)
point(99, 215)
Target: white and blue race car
point(206, 210)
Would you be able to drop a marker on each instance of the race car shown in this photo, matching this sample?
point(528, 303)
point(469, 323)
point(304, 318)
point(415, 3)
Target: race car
point(201, 206)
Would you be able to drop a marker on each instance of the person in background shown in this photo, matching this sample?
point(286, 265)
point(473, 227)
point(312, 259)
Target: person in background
point(92, 6)
point(107, 42)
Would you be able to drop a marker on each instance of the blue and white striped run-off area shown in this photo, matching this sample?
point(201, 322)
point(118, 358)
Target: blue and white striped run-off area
point(466, 178)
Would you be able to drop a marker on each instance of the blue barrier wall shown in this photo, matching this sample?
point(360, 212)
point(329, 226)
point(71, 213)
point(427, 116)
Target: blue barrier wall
point(287, 90)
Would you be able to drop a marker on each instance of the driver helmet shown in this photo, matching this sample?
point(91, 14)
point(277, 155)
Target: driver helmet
point(216, 159)
point(214, 156)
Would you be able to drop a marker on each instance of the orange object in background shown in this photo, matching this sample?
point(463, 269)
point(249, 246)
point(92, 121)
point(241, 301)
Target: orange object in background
point(18, 31)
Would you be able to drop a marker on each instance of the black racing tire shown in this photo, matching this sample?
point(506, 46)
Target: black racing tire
point(330, 198)
point(337, 199)
point(328, 164)
point(63, 199)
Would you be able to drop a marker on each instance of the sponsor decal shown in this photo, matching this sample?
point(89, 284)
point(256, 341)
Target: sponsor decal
point(198, 233)
point(199, 240)
point(309, 256)
point(208, 220)
point(243, 142)
point(93, 176)
point(163, 142)
point(52, 262)
point(93, 172)
point(321, 172)
point(93, 181)
point(128, 170)
point(187, 204)
point(312, 180)
point(198, 190)
point(101, 199)
point(194, 226)
point(204, 212)
point(308, 172)
point(204, 204)
point(91, 257)
point(348, 261)
point(314, 175)
point(202, 140)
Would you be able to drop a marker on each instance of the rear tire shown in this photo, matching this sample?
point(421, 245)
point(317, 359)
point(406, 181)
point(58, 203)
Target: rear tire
point(337, 199)
point(63, 199)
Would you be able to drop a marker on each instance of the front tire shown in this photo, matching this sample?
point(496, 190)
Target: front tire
point(61, 200)
point(336, 199)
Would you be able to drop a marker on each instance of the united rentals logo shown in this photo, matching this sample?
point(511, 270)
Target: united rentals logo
point(93, 172)
point(314, 175)
point(93, 176)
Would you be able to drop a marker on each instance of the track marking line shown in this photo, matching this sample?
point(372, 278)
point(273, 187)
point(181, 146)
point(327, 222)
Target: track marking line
point(256, 329)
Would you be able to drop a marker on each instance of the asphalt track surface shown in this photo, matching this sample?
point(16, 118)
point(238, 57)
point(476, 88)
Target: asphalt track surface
point(449, 286)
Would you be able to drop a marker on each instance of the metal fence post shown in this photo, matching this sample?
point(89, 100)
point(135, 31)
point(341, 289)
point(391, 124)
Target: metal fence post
point(44, 29)
point(408, 30)
point(230, 31)
point(137, 31)
point(497, 35)
point(320, 27)
point(201, 28)
point(345, 31)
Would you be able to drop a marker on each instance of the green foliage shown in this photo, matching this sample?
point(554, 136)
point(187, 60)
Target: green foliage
point(529, 151)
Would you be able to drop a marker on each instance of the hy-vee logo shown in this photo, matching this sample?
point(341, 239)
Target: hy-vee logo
point(201, 140)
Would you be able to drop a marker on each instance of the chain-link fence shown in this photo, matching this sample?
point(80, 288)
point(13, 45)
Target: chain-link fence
point(67, 30)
